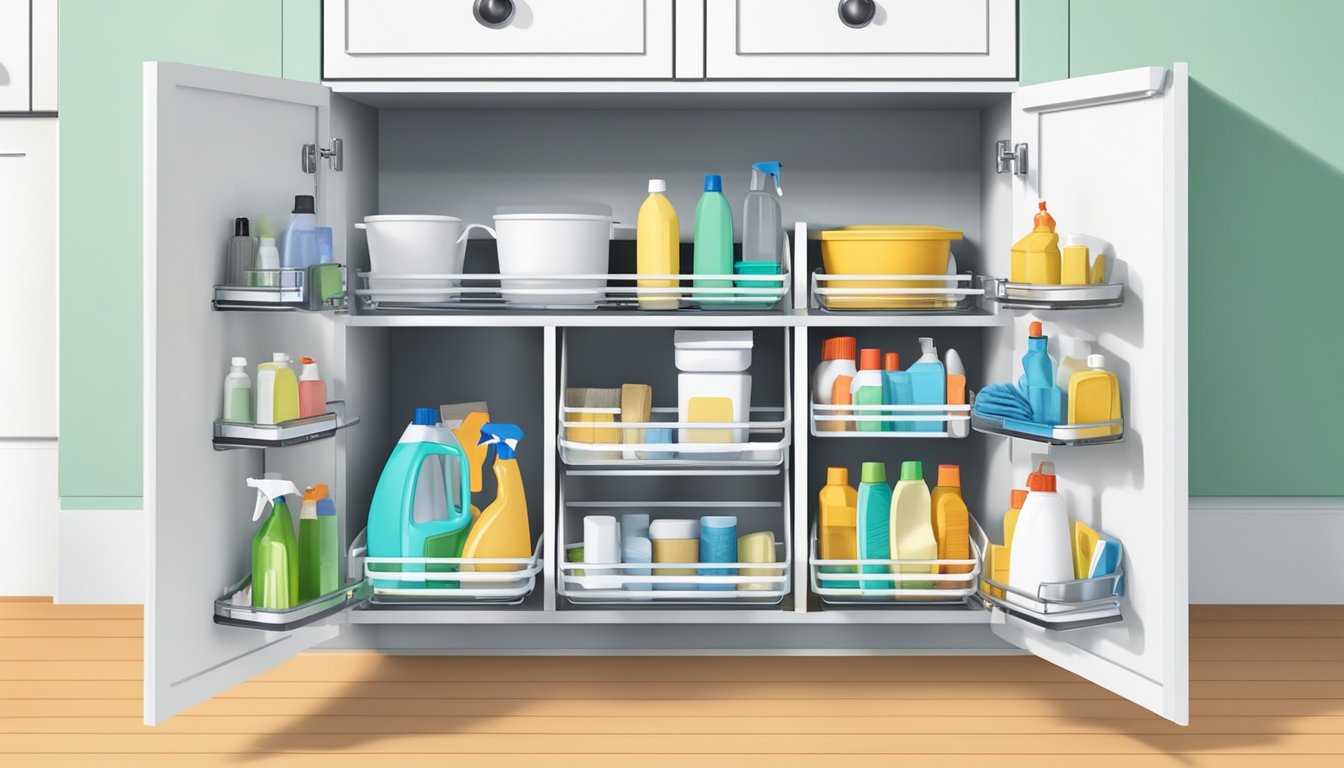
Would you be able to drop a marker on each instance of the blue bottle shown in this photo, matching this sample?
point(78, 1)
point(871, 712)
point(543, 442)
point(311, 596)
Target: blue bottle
point(873, 520)
point(298, 243)
point(928, 384)
point(1038, 379)
point(718, 544)
point(896, 391)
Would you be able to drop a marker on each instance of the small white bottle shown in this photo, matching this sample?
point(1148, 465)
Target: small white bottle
point(238, 392)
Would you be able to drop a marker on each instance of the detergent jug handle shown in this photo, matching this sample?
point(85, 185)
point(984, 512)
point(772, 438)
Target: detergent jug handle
point(424, 451)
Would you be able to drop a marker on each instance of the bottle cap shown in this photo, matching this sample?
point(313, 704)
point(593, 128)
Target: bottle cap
point(837, 476)
point(839, 348)
point(1035, 330)
point(713, 183)
point(912, 470)
point(306, 360)
point(239, 362)
point(1043, 479)
point(874, 472)
point(1096, 361)
point(657, 186)
point(240, 227)
point(870, 360)
point(311, 494)
point(279, 357)
point(949, 475)
point(840, 392)
point(426, 417)
point(891, 361)
point(303, 204)
point(1041, 205)
point(1017, 498)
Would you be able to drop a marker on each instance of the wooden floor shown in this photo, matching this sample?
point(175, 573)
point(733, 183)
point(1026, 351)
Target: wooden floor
point(1267, 687)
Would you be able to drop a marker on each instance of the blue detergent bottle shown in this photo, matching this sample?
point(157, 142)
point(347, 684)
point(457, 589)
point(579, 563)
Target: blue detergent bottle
point(1038, 379)
point(422, 503)
point(928, 384)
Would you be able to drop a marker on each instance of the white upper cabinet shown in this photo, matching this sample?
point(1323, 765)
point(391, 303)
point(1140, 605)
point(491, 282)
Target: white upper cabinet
point(15, 56)
point(861, 39)
point(496, 39)
point(44, 55)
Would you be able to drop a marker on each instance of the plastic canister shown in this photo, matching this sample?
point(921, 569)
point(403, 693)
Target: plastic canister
point(718, 544)
point(601, 544)
point(713, 398)
point(712, 351)
point(675, 541)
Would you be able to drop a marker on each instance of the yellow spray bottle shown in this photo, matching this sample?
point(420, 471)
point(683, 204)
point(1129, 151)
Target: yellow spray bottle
point(502, 529)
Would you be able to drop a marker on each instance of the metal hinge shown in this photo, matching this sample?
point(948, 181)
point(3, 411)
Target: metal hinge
point(334, 156)
point(1011, 157)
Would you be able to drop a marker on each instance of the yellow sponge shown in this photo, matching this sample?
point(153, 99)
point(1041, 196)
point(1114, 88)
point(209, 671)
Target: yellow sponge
point(1084, 542)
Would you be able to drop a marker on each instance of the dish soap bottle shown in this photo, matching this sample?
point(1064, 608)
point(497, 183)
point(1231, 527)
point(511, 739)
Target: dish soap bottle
point(837, 506)
point(502, 530)
point(713, 240)
point(951, 521)
point(275, 555)
point(912, 525)
point(657, 245)
point(277, 391)
point(928, 384)
point(1041, 549)
point(1035, 258)
point(319, 549)
point(238, 392)
point(312, 390)
point(867, 387)
point(1038, 378)
point(298, 245)
point(763, 220)
point(1094, 394)
point(873, 522)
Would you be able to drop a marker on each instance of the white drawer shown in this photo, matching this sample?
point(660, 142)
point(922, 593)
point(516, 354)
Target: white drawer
point(905, 39)
point(544, 39)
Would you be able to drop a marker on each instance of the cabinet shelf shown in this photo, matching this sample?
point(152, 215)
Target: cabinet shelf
point(1053, 297)
point(231, 435)
point(1097, 433)
point(765, 449)
point(842, 420)
point(852, 582)
point(863, 293)
point(231, 611)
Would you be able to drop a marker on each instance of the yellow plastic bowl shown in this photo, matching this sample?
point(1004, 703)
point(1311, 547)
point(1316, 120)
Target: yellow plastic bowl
point(887, 250)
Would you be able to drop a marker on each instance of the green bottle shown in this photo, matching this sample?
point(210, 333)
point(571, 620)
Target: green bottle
point(275, 554)
point(319, 548)
point(713, 241)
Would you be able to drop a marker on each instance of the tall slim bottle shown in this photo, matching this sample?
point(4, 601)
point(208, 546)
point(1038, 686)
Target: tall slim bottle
point(713, 240)
point(657, 245)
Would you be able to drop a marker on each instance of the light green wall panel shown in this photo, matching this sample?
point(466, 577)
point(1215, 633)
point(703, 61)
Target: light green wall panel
point(102, 46)
point(303, 40)
point(1043, 40)
point(1266, 202)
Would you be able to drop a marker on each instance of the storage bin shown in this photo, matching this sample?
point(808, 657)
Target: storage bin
point(713, 351)
point(713, 398)
point(889, 250)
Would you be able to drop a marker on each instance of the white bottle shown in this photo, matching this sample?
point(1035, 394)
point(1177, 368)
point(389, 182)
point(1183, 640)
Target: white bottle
point(1041, 549)
point(238, 393)
point(838, 358)
point(601, 544)
point(952, 366)
point(1072, 356)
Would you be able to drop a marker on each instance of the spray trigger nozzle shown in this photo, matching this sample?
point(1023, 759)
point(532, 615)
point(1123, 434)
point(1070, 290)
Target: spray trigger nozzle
point(504, 437)
point(772, 169)
point(268, 491)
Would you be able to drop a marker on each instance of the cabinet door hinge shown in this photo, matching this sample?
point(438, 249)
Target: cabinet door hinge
point(1011, 157)
point(335, 156)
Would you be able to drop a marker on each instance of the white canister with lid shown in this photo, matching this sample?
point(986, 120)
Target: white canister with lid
point(713, 351)
point(675, 541)
point(713, 398)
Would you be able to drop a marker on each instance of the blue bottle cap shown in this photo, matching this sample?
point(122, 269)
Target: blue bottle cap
point(713, 183)
point(426, 417)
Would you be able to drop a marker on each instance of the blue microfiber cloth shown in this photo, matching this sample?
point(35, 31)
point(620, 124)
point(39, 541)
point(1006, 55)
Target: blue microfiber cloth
point(1003, 401)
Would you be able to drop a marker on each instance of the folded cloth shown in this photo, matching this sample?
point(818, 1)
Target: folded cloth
point(1003, 401)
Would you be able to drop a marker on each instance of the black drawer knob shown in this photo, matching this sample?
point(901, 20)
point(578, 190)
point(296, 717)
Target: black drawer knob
point(493, 13)
point(857, 14)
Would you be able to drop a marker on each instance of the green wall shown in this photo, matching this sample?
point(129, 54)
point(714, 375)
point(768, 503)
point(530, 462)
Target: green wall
point(102, 46)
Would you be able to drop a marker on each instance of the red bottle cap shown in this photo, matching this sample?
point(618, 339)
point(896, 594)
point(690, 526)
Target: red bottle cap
point(870, 360)
point(1019, 497)
point(891, 361)
point(839, 348)
point(1042, 481)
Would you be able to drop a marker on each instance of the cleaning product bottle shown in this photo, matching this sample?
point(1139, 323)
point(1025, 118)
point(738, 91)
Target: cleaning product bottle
point(912, 525)
point(1042, 551)
point(896, 391)
point(762, 218)
point(502, 530)
point(275, 555)
point(238, 392)
point(298, 245)
point(842, 394)
point(837, 525)
point(421, 504)
point(1038, 378)
point(319, 549)
point(1017, 498)
point(928, 383)
point(951, 521)
point(268, 256)
point(873, 522)
point(1035, 258)
point(956, 391)
point(837, 359)
point(713, 240)
point(465, 420)
point(1094, 394)
point(241, 255)
point(657, 245)
point(277, 391)
point(866, 389)
point(312, 390)
point(1073, 354)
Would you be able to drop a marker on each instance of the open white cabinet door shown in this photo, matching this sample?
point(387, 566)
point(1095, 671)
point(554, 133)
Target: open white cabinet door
point(1108, 153)
point(218, 145)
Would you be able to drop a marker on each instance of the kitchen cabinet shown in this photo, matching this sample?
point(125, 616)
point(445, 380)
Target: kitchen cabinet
point(15, 56)
point(44, 55)
point(974, 155)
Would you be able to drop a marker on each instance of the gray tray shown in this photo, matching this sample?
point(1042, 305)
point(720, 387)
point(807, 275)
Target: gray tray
point(352, 594)
point(229, 435)
point(1062, 434)
point(1027, 296)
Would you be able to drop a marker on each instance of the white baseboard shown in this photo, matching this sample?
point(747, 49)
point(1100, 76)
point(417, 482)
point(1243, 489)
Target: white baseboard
point(1245, 549)
point(102, 552)
point(102, 557)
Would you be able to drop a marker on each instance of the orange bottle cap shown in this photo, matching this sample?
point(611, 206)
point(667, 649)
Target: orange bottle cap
point(870, 360)
point(1019, 497)
point(1042, 480)
point(305, 360)
point(837, 476)
point(311, 494)
point(1041, 205)
point(840, 394)
point(839, 348)
point(1035, 329)
point(949, 475)
point(891, 361)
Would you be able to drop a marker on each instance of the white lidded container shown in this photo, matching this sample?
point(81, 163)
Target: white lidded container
point(713, 351)
point(601, 544)
point(552, 240)
point(413, 244)
point(714, 398)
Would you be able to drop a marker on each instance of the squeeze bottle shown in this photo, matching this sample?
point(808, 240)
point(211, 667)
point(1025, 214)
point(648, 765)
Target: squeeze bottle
point(502, 529)
point(1038, 378)
point(928, 384)
point(238, 392)
point(275, 555)
point(242, 254)
point(896, 391)
point(1042, 551)
point(837, 505)
point(268, 256)
point(951, 521)
point(312, 390)
point(837, 359)
point(873, 521)
point(713, 239)
point(319, 549)
point(762, 218)
point(867, 389)
point(298, 244)
point(657, 245)
point(277, 391)
point(912, 525)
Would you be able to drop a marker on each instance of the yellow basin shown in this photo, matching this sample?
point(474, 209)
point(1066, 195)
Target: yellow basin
point(887, 250)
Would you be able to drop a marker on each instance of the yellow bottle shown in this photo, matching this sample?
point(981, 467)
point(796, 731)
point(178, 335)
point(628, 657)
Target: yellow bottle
point(657, 245)
point(837, 512)
point(277, 391)
point(1094, 394)
point(1035, 258)
point(1074, 270)
point(757, 547)
point(951, 521)
point(502, 530)
point(1019, 497)
point(911, 526)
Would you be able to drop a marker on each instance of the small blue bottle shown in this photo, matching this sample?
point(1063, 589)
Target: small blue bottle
point(718, 544)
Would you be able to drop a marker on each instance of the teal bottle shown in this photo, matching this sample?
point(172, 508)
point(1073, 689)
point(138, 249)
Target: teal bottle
point(874, 522)
point(713, 241)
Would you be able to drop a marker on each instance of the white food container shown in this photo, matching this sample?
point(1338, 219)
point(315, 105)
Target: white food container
point(407, 244)
point(713, 351)
point(733, 387)
point(554, 240)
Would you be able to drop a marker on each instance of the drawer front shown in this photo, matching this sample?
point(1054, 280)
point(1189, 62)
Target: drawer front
point(544, 39)
point(14, 56)
point(905, 39)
